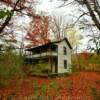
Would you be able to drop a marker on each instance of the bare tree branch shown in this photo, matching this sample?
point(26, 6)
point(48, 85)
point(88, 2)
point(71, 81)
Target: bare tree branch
point(79, 18)
point(96, 8)
point(64, 4)
point(8, 17)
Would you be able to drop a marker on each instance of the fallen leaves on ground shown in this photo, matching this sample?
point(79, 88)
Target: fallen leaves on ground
point(72, 87)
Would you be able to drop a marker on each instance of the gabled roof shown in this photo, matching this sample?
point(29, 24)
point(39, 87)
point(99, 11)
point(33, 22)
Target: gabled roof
point(55, 41)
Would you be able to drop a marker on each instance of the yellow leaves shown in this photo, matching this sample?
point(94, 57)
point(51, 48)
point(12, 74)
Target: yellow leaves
point(72, 36)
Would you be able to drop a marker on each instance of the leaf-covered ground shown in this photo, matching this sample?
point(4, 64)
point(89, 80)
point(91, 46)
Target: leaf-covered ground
point(79, 86)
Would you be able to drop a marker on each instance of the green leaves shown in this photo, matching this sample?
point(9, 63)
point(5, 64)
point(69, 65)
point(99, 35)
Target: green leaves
point(3, 13)
point(96, 44)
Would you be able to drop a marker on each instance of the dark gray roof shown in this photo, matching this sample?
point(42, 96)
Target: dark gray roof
point(55, 41)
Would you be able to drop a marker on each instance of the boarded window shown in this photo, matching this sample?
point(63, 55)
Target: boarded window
point(65, 50)
point(65, 64)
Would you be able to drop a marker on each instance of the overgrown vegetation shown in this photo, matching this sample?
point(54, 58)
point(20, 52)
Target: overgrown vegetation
point(95, 59)
point(40, 67)
point(97, 81)
point(54, 85)
point(95, 93)
point(42, 92)
point(85, 61)
point(10, 67)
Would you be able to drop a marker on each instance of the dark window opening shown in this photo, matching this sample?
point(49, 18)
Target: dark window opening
point(54, 48)
point(65, 64)
point(65, 50)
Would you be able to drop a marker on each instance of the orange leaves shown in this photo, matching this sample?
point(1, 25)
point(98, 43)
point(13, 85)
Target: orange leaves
point(73, 87)
point(85, 56)
point(38, 33)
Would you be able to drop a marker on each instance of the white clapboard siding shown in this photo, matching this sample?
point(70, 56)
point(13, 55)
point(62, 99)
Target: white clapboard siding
point(62, 57)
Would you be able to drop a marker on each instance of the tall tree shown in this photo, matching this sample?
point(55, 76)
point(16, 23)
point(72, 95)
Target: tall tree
point(38, 32)
point(21, 6)
point(93, 11)
point(93, 7)
point(73, 37)
point(57, 25)
point(9, 11)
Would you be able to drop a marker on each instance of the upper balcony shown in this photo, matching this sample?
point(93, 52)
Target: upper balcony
point(42, 51)
point(44, 54)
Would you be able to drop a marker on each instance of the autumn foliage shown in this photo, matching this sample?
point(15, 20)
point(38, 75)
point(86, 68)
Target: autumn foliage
point(85, 57)
point(13, 2)
point(86, 61)
point(8, 1)
point(20, 5)
point(38, 33)
point(74, 87)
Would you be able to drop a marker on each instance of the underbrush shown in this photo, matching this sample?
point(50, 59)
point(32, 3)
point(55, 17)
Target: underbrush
point(10, 67)
point(95, 93)
point(40, 68)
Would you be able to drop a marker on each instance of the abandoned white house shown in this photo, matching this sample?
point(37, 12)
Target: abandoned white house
point(56, 55)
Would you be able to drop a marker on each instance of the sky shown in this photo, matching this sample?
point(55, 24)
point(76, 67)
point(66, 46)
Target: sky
point(52, 9)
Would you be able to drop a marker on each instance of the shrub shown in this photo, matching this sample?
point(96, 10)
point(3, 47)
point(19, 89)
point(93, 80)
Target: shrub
point(74, 68)
point(54, 85)
point(10, 66)
point(97, 81)
point(95, 93)
point(95, 62)
point(41, 67)
point(95, 59)
point(3, 83)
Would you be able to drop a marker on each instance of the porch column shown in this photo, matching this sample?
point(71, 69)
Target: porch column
point(50, 57)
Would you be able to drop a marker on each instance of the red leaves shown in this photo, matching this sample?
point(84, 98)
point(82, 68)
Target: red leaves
point(19, 5)
point(74, 87)
point(8, 1)
point(85, 56)
point(39, 30)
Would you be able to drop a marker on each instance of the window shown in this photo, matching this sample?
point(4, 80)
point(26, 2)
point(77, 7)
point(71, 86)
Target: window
point(65, 64)
point(54, 47)
point(64, 50)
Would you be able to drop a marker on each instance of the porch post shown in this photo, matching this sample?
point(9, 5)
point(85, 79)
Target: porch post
point(50, 57)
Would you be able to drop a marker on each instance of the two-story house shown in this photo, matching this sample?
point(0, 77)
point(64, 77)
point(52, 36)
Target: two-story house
point(56, 53)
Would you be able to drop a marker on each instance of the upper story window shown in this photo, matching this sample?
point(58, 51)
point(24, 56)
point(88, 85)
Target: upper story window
point(65, 50)
point(54, 48)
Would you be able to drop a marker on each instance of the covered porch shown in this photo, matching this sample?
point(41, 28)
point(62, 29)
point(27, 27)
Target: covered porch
point(43, 57)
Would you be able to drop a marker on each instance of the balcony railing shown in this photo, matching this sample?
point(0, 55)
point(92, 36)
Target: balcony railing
point(44, 54)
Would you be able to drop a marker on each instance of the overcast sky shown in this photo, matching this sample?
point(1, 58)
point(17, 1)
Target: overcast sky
point(52, 9)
